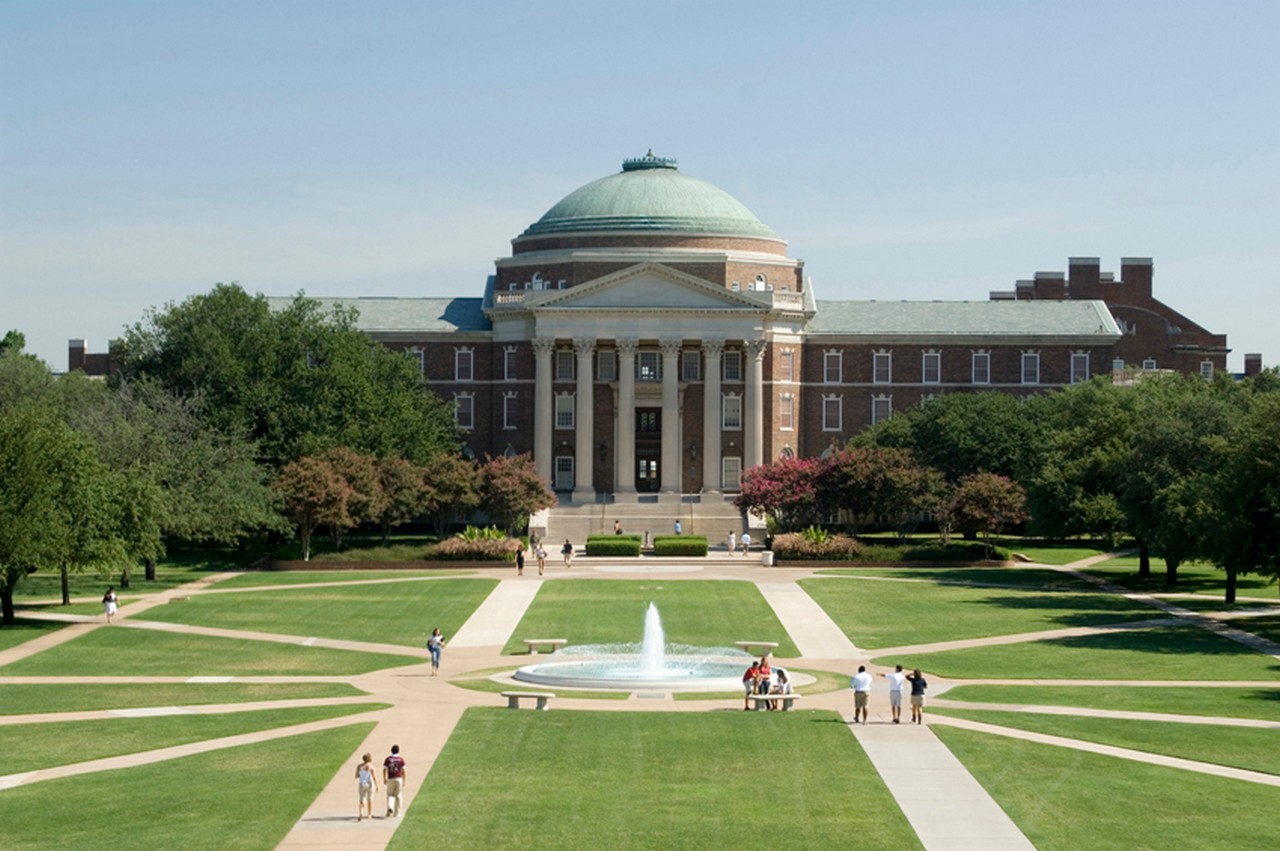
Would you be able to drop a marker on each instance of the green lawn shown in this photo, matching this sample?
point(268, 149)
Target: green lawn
point(393, 613)
point(32, 746)
point(263, 578)
point(1238, 747)
point(697, 612)
point(23, 698)
point(1263, 704)
point(889, 614)
point(1068, 800)
point(238, 798)
point(1050, 554)
point(652, 780)
point(135, 652)
point(1192, 578)
point(1267, 626)
point(1169, 653)
point(22, 631)
point(1028, 578)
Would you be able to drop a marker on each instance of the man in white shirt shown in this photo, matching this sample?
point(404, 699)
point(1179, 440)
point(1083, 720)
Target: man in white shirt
point(861, 685)
point(896, 679)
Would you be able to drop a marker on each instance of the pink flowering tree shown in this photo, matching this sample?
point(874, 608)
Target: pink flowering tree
point(985, 503)
point(511, 490)
point(785, 490)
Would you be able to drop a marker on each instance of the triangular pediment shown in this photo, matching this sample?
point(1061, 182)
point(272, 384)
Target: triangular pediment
point(645, 286)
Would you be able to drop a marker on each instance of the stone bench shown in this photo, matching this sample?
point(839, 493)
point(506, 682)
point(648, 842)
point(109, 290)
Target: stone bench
point(787, 700)
point(767, 646)
point(513, 698)
point(554, 643)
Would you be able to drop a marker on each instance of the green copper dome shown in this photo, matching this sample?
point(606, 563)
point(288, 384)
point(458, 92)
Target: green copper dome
point(650, 194)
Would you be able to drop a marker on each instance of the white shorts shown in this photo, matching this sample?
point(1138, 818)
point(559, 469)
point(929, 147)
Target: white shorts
point(895, 699)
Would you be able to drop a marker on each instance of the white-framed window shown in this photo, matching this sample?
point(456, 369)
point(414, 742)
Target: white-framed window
point(510, 410)
point(882, 367)
point(689, 365)
point(1149, 363)
point(564, 410)
point(931, 368)
point(731, 366)
point(464, 362)
point(736, 286)
point(832, 366)
point(564, 473)
point(648, 366)
point(832, 413)
point(509, 363)
point(1079, 367)
point(730, 473)
point(464, 410)
point(1206, 369)
point(419, 358)
point(1117, 363)
point(786, 412)
point(564, 365)
point(731, 412)
point(1030, 367)
point(881, 408)
point(787, 365)
point(607, 365)
point(981, 368)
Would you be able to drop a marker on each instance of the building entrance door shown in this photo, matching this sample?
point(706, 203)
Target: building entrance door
point(648, 449)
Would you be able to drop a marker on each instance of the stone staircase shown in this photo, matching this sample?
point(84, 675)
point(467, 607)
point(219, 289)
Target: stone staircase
point(712, 515)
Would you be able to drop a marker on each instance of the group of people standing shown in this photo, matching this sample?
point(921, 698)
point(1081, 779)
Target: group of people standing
point(762, 678)
point(861, 685)
point(393, 779)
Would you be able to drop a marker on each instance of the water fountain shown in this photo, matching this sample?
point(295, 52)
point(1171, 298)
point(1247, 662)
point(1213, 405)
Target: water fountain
point(622, 666)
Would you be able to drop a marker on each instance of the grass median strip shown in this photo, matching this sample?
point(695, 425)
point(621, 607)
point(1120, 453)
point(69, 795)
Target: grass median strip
point(24, 698)
point(32, 746)
point(265, 578)
point(239, 798)
point(569, 779)
point(1067, 799)
point(1260, 703)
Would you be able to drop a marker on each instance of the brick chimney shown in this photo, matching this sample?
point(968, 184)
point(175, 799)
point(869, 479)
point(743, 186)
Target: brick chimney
point(1252, 364)
point(1135, 274)
point(75, 354)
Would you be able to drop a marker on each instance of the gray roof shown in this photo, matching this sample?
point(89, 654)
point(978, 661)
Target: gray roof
point(964, 318)
point(387, 315)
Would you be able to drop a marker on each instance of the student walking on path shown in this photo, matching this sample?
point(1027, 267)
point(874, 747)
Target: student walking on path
point(366, 785)
point(861, 685)
point(567, 552)
point(918, 685)
point(895, 692)
point(540, 553)
point(110, 602)
point(435, 644)
point(394, 775)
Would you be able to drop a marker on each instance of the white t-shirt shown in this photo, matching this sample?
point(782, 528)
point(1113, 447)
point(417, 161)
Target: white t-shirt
point(861, 681)
point(896, 679)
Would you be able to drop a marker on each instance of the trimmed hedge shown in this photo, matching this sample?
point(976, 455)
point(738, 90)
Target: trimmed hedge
point(613, 545)
point(679, 545)
point(608, 537)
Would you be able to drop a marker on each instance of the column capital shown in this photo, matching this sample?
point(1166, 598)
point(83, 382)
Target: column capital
point(584, 346)
point(627, 346)
point(713, 348)
point(671, 348)
point(543, 345)
point(755, 349)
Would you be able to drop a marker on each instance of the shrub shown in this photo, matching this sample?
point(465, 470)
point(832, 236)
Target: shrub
point(679, 545)
point(485, 548)
point(487, 533)
point(956, 551)
point(613, 545)
point(803, 547)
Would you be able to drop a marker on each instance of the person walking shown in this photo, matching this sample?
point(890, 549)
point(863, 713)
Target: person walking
point(918, 685)
point(520, 558)
point(617, 527)
point(678, 526)
point(110, 602)
point(895, 692)
point(567, 552)
point(366, 785)
point(746, 543)
point(861, 685)
point(540, 553)
point(435, 644)
point(733, 542)
point(394, 776)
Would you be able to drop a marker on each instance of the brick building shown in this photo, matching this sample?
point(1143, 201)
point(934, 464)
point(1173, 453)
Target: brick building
point(649, 334)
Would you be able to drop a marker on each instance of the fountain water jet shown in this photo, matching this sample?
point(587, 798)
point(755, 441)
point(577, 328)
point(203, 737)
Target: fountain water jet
point(622, 667)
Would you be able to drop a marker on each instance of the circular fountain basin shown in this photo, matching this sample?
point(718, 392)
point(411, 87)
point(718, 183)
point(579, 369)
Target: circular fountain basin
point(624, 672)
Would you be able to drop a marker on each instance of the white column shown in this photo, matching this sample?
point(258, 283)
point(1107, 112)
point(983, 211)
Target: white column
point(543, 407)
point(625, 453)
point(584, 423)
point(671, 450)
point(711, 414)
point(754, 404)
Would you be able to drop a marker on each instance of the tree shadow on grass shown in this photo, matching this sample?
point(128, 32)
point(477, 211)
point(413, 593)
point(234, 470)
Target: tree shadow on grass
point(1079, 609)
point(1165, 641)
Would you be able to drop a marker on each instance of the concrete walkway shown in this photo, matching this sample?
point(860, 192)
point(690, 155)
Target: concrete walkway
point(946, 807)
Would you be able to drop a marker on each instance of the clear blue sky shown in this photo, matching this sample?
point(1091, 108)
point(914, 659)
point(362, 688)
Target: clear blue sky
point(919, 150)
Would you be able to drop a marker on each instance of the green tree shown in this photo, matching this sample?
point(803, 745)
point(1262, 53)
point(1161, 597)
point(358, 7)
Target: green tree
point(455, 483)
point(296, 381)
point(314, 494)
point(405, 494)
point(986, 503)
point(870, 484)
point(511, 490)
point(364, 489)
